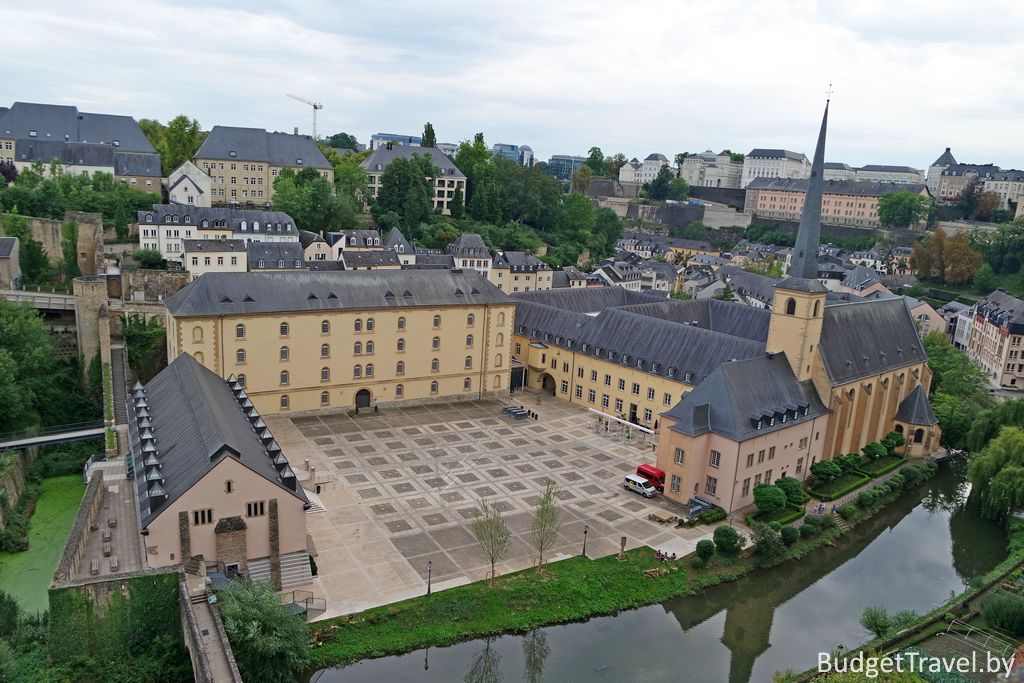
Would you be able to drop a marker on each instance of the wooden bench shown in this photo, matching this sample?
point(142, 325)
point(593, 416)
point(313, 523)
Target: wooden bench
point(112, 521)
point(94, 567)
point(106, 550)
point(106, 535)
point(113, 563)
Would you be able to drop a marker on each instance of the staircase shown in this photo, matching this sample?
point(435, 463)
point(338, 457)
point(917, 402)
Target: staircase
point(315, 504)
point(259, 570)
point(119, 383)
point(841, 522)
point(295, 570)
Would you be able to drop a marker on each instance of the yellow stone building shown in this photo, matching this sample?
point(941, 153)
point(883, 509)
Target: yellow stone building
point(303, 341)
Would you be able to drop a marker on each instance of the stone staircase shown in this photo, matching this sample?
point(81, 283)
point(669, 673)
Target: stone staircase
point(295, 570)
point(259, 570)
point(316, 506)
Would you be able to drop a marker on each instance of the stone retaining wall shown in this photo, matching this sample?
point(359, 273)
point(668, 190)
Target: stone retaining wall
point(87, 510)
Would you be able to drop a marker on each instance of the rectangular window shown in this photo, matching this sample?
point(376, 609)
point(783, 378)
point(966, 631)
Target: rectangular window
point(622, 385)
point(803, 442)
point(768, 477)
point(604, 400)
point(760, 456)
point(618, 405)
point(757, 481)
point(746, 487)
point(579, 372)
point(565, 386)
point(799, 465)
point(650, 393)
point(667, 399)
point(679, 456)
point(593, 375)
point(636, 389)
point(607, 380)
point(648, 415)
point(591, 396)
point(716, 459)
point(579, 391)
point(750, 459)
point(255, 509)
point(519, 349)
point(677, 483)
point(201, 517)
point(771, 452)
point(711, 486)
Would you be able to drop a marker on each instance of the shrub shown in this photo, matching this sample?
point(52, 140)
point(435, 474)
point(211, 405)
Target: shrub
point(1004, 611)
point(769, 498)
point(728, 541)
point(808, 530)
point(877, 620)
point(269, 643)
point(893, 440)
point(705, 549)
point(827, 521)
point(698, 563)
point(848, 461)
point(875, 450)
point(826, 470)
point(768, 544)
point(866, 499)
point(898, 480)
point(848, 511)
point(711, 515)
point(790, 534)
point(793, 489)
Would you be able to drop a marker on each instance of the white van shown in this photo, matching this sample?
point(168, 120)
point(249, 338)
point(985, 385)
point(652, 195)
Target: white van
point(636, 483)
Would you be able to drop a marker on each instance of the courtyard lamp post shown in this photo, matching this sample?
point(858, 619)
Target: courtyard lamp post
point(430, 564)
point(585, 528)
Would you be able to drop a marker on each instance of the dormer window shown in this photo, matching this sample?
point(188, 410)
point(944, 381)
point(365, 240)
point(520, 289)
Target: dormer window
point(298, 161)
point(232, 154)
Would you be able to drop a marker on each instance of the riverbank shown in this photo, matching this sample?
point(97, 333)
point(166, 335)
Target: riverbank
point(26, 575)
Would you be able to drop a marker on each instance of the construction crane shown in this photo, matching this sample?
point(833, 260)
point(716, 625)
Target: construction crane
point(316, 106)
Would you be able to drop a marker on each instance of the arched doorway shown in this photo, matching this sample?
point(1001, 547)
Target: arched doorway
point(363, 398)
point(547, 383)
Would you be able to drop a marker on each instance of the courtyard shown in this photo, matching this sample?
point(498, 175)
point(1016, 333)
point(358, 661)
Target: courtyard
point(400, 489)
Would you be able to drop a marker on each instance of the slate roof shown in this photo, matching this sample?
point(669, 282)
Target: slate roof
point(213, 246)
point(750, 285)
point(469, 244)
point(559, 279)
point(70, 153)
point(587, 299)
point(52, 122)
point(764, 153)
point(7, 245)
point(519, 262)
point(837, 166)
point(383, 155)
point(396, 239)
point(915, 409)
point(860, 277)
point(365, 259)
point(656, 157)
point(799, 284)
point(1003, 310)
point(867, 338)
point(737, 395)
point(256, 144)
point(307, 237)
point(245, 293)
point(888, 169)
point(197, 422)
point(275, 222)
point(275, 255)
point(428, 260)
point(355, 238)
point(945, 159)
point(855, 188)
point(983, 170)
point(130, 163)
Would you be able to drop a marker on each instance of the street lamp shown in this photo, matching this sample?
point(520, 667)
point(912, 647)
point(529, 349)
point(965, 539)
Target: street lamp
point(430, 564)
point(585, 528)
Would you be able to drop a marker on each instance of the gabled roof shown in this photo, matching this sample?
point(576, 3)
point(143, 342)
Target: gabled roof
point(197, 422)
point(737, 395)
point(1003, 310)
point(275, 255)
point(469, 244)
point(866, 338)
point(60, 123)
point(860, 277)
point(915, 409)
point(372, 257)
point(256, 144)
point(307, 237)
point(219, 218)
point(217, 294)
point(945, 159)
point(396, 239)
point(384, 155)
point(519, 262)
point(213, 246)
point(656, 157)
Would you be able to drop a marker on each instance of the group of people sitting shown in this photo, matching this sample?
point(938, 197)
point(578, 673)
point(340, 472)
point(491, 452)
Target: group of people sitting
point(664, 557)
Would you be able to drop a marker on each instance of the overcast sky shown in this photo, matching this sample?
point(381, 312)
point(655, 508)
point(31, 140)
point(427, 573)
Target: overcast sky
point(910, 77)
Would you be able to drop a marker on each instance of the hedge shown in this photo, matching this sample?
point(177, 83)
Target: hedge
point(791, 513)
point(851, 484)
point(877, 468)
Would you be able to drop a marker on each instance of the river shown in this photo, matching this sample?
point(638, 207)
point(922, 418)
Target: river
point(912, 555)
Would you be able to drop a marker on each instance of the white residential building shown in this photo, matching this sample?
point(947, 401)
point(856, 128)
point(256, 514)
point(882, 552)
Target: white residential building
point(708, 169)
point(187, 184)
point(638, 172)
point(774, 163)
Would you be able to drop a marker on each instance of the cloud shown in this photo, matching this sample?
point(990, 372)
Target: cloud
point(909, 78)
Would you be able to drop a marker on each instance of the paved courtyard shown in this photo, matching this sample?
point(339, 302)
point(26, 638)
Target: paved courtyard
point(409, 481)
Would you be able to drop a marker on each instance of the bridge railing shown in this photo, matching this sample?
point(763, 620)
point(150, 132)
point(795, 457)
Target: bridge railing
point(33, 432)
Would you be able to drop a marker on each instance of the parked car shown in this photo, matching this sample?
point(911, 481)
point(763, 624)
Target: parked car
point(653, 475)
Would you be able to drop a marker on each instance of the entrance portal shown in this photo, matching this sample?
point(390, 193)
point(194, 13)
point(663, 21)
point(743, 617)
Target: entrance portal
point(363, 398)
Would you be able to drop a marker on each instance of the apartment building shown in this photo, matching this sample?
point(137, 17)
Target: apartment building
point(166, 226)
point(469, 251)
point(449, 181)
point(844, 202)
point(708, 169)
point(1008, 185)
point(774, 164)
point(640, 172)
point(189, 185)
point(302, 341)
point(945, 160)
point(994, 340)
point(956, 176)
point(214, 256)
point(243, 163)
point(79, 143)
point(904, 175)
point(518, 271)
point(839, 171)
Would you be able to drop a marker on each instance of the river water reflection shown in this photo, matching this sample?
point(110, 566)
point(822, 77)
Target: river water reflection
point(911, 556)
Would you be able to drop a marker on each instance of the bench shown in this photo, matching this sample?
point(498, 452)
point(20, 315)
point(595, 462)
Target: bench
point(113, 563)
point(94, 567)
point(106, 550)
point(106, 535)
point(112, 521)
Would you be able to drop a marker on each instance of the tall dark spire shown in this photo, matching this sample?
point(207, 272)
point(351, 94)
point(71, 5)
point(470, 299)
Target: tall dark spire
point(805, 253)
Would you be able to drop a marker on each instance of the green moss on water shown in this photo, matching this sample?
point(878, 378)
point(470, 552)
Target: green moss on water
point(27, 575)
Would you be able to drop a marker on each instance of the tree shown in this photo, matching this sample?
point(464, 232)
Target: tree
point(959, 260)
point(535, 654)
point(848, 461)
point(581, 179)
point(987, 203)
point(269, 643)
point(903, 208)
point(926, 259)
point(350, 178)
point(997, 474)
point(728, 541)
point(658, 188)
point(875, 450)
point(768, 544)
point(679, 159)
point(429, 139)
point(485, 667)
point(681, 295)
point(876, 620)
point(705, 549)
point(985, 280)
point(176, 142)
point(725, 294)
point(150, 259)
point(310, 199)
point(492, 533)
point(545, 526)
point(826, 470)
point(613, 164)
point(892, 441)
point(8, 172)
point(953, 372)
point(793, 488)
point(407, 188)
point(595, 160)
point(343, 141)
point(678, 189)
point(146, 346)
point(457, 206)
point(769, 498)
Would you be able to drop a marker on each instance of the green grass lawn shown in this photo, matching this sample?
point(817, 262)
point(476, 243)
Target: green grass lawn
point(883, 464)
point(828, 490)
point(27, 575)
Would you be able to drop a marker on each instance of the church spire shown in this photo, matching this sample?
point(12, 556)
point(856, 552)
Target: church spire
point(805, 253)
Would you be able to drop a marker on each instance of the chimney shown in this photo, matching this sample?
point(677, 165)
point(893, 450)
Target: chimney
point(295, 131)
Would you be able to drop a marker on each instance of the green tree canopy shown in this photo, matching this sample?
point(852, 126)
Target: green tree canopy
point(595, 160)
point(407, 189)
point(658, 188)
point(343, 141)
point(310, 199)
point(429, 139)
point(769, 498)
point(903, 208)
point(177, 141)
point(270, 644)
point(997, 474)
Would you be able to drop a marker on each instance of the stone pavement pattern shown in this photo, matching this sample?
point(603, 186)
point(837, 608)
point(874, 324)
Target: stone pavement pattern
point(409, 482)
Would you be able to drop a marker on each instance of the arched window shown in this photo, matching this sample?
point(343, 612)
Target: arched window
point(817, 307)
point(466, 384)
point(241, 381)
point(790, 306)
point(497, 381)
point(401, 323)
point(437, 321)
point(255, 225)
point(369, 324)
point(198, 355)
point(284, 329)
point(899, 429)
point(469, 362)
point(325, 327)
point(436, 343)
point(501, 318)
point(399, 391)
point(433, 387)
point(240, 356)
point(470, 320)
point(359, 324)
point(284, 401)
point(357, 371)
point(401, 344)
point(498, 360)
point(325, 350)
point(918, 435)
point(435, 365)
point(284, 377)
point(500, 339)
point(325, 398)
point(369, 369)
point(369, 347)
point(204, 223)
point(149, 218)
point(469, 341)
point(239, 331)
point(283, 354)
point(358, 348)
point(325, 374)
point(197, 335)
point(400, 367)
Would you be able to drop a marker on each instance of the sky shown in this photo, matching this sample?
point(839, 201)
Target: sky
point(909, 77)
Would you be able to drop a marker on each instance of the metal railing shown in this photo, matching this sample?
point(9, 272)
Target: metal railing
point(40, 433)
